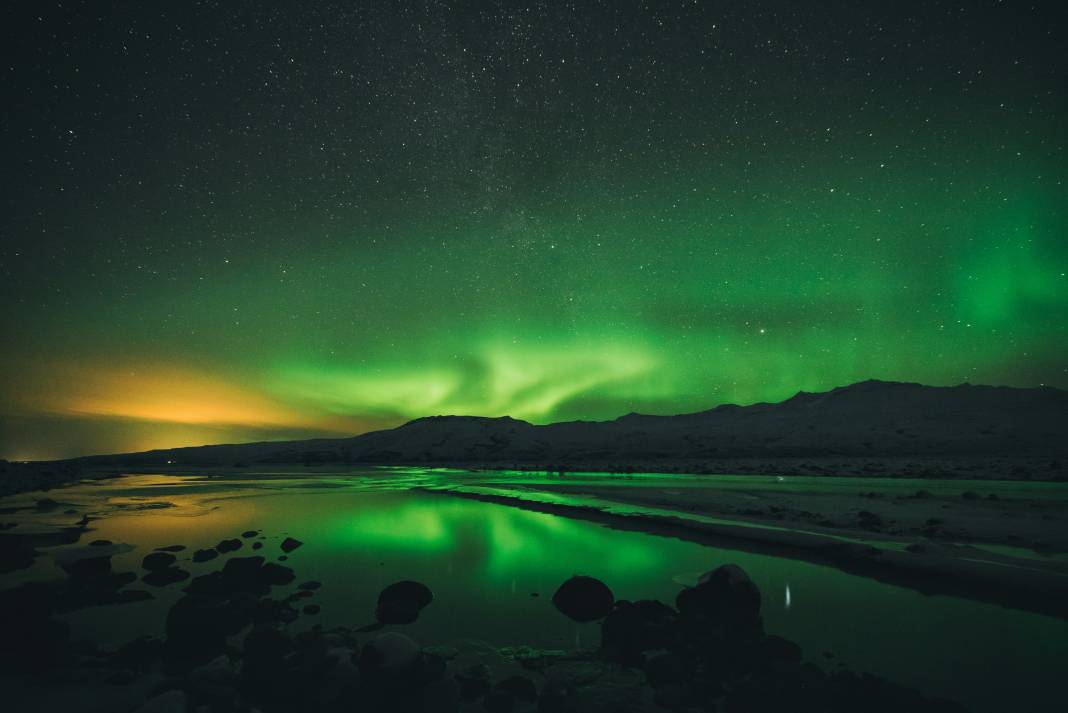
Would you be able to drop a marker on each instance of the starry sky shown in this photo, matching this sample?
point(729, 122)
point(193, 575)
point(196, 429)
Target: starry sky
point(238, 221)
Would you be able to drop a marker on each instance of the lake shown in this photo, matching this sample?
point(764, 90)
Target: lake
point(493, 570)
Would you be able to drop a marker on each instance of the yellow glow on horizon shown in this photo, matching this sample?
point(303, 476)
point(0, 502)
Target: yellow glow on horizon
point(166, 394)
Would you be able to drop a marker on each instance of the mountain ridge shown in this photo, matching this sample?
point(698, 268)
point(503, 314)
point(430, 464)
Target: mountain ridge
point(867, 419)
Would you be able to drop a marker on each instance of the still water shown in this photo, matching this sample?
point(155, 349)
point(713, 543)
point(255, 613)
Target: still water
point(493, 570)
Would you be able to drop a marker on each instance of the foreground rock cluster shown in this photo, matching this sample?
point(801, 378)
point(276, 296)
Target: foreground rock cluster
point(229, 647)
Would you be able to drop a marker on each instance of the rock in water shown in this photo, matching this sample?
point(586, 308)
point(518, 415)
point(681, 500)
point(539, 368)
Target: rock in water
point(401, 602)
point(275, 574)
point(584, 599)
point(158, 560)
point(415, 592)
point(289, 544)
point(204, 555)
point(228, 545)
point(166, 575)
point(726, 595)
point(633, 628)
point(87, 567)
point(243, 570)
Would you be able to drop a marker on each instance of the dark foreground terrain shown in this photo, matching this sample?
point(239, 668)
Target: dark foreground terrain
point(226, 648)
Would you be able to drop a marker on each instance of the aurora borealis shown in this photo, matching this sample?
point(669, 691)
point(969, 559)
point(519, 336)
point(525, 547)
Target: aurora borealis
point(240, 221)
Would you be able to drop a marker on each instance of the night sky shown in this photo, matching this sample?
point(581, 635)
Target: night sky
point(245, 220)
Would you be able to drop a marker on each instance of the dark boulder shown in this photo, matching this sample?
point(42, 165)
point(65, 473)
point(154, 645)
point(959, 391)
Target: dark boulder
point(275, 574)
point(242, 575)
point(775, 649)
point(165, 576)
point(401, 602)
point(228, 545)
point(584, 599)
point(725, 595)
point(267, 610)
point(632, 628)
point(87, 567)
point(243, 569)
point(668, 668)
point(158, 560)
point(197, 627)
point(205, 555)
point(289, 544)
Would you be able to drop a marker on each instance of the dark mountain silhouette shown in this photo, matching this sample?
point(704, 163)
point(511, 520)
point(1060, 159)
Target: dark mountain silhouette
point(871, 419)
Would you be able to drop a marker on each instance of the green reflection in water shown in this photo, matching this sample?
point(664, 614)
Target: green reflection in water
point(494, 541)
point(405, 526)
point(484, 562)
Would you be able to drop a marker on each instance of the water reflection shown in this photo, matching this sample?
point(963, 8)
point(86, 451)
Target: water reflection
point(492, 569)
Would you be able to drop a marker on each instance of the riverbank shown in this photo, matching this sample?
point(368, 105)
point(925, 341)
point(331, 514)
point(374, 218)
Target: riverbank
point(958, 554)
point(26, 477)
point(1024, 469)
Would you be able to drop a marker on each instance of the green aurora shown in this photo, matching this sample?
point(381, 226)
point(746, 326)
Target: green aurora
point(315, 241)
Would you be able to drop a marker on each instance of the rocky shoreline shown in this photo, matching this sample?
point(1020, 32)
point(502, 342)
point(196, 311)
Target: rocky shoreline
point(29, 477)
point(229, 646)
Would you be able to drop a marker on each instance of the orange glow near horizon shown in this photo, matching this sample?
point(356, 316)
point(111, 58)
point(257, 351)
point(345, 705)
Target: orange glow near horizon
point(158, 393)
point(119, 408)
